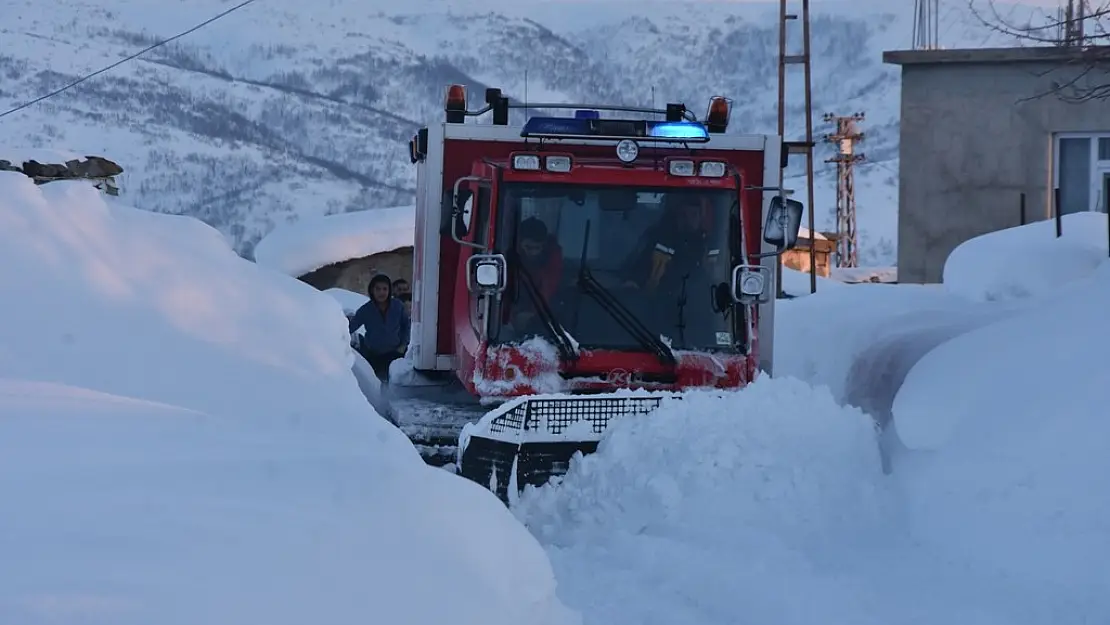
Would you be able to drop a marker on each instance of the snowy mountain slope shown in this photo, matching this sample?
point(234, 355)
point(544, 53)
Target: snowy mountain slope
point(282, 110)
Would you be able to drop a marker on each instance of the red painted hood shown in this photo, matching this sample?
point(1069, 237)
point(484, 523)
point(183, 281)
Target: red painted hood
point(508, 371)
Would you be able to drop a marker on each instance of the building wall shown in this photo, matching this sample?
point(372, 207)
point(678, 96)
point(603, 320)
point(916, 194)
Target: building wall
point(798, 257)
point(970, 147)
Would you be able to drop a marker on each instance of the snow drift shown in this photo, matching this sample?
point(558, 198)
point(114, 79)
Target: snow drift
point(1028, 260)
point(768, 505)
point(718, 508)
point(182, 441)
point(820, 338)
point(1017, 481)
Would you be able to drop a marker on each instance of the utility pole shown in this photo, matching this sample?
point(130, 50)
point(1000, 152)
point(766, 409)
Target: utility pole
point(798, 147)
point(1073, 19)
point(926, 25)
point(845, 138)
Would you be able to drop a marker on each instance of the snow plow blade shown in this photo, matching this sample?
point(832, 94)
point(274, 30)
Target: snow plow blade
point(529, 440)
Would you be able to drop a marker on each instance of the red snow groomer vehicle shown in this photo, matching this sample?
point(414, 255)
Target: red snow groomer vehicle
point(561, 263)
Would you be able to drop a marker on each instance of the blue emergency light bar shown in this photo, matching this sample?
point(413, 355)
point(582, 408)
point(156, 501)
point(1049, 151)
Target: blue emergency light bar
point(615, 129)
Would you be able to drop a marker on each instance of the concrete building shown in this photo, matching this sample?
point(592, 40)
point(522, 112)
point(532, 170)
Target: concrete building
point(975, 137)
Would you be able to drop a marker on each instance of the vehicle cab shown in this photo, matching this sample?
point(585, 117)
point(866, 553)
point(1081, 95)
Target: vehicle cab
point(587, 254)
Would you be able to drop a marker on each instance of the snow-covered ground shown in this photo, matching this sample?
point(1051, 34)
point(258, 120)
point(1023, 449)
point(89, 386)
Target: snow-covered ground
point(771, 505)
point(182, 441)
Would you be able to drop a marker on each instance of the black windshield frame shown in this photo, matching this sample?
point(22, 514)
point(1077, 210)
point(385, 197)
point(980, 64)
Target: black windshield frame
point(609, 227)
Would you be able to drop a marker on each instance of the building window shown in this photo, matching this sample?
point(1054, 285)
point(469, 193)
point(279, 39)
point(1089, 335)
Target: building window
point(1082, 167)
point(1104, 149)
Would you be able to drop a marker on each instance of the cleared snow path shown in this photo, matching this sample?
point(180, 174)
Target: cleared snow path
point(878, 372)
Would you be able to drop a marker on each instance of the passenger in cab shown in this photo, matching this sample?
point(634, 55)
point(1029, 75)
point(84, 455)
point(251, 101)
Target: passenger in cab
point(387, 327)
point(539, 256)
point(676, 246)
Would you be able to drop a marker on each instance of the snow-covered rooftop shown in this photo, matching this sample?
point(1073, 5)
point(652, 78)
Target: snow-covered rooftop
point(309, 244)
point(803, 233)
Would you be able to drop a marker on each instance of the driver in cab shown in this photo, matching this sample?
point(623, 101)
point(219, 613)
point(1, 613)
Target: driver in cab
point(676, 246)
point(540, 258)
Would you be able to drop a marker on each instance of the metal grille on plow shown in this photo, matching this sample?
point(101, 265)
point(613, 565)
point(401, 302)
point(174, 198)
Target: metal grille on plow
point(560, 414)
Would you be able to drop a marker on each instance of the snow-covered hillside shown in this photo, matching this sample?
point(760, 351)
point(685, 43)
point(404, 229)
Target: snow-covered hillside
point(286, 109)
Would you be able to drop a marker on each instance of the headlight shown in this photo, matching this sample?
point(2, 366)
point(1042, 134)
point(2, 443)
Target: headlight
point(558, 164)
point(681, 168)
point(712, 169)
point(752, 284)
point(529, 162)
point(627, 150)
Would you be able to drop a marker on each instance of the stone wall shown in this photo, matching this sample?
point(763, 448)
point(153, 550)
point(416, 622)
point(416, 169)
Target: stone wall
point(354, 275)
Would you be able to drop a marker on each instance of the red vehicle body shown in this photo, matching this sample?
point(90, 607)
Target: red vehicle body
point(477, 182)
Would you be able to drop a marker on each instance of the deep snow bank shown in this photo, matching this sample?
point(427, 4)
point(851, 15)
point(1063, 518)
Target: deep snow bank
point(349, 300)
point(1027, 260)
point(719, 508)
point(309, 244)
point(846, 334)
point(819, 338)
point(1014, 416)
point(182, 441)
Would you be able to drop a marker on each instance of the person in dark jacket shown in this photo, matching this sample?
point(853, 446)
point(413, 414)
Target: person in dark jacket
point(675, 247)
point(387, 327)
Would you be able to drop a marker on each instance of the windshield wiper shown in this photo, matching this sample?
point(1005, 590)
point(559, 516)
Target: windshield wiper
point(681, 324)
point(590, 285)
point(563, 342)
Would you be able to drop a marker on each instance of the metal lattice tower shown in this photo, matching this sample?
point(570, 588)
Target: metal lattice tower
point(926, 24)
point(845, 138)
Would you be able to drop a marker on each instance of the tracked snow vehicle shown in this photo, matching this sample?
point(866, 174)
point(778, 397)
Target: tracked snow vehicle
point(509, 398)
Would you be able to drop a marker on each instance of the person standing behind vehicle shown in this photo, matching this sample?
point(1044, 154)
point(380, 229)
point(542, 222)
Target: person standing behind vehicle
point(387, 326)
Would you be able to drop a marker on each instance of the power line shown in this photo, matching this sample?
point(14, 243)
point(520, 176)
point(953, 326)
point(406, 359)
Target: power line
point(126, 59)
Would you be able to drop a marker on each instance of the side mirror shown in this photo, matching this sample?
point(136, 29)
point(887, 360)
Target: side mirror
point(784, 220)
point(462, 203)
point(461, 212)
point(486, 273)
point(750, 284)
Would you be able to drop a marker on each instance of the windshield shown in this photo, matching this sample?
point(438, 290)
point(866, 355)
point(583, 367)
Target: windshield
point(619, 268)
